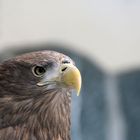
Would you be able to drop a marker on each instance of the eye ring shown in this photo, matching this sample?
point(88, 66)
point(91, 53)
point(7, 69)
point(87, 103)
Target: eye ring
point(38, 71)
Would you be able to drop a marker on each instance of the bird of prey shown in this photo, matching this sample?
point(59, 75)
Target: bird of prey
point(35, 96)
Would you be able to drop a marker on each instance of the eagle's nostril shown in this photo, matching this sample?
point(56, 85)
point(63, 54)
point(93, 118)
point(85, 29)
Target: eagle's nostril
point(63, 69)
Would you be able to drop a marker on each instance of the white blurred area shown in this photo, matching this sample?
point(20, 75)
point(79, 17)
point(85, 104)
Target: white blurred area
point(105, 30)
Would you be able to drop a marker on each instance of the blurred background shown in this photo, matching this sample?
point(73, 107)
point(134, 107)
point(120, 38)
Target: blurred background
point(103, 37)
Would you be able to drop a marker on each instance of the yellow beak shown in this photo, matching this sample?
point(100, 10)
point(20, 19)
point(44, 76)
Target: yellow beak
point(68, 75)
point(71, 77)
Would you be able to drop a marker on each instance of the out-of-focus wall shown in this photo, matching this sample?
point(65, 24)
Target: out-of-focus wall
point(107, 31)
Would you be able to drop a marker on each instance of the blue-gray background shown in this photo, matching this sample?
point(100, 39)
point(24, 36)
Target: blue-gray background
point(108, 107)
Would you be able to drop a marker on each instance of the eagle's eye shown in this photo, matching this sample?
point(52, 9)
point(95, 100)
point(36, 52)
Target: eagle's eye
point(38, 71)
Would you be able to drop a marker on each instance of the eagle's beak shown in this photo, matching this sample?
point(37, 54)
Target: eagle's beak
point(71, 77)
point(67, 75)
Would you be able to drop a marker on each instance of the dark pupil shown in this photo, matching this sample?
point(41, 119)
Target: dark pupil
point(39, 70)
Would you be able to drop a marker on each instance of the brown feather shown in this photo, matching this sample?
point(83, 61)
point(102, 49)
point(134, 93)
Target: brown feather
point(29, 112)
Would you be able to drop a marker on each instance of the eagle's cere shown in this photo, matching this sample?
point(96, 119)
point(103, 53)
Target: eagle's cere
point(35, 96)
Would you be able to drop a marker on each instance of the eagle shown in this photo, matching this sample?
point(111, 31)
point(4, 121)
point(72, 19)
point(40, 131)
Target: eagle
point(35, 96)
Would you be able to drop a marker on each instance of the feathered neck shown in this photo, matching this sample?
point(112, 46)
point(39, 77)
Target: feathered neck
point(42, 118)
point(54, 116)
